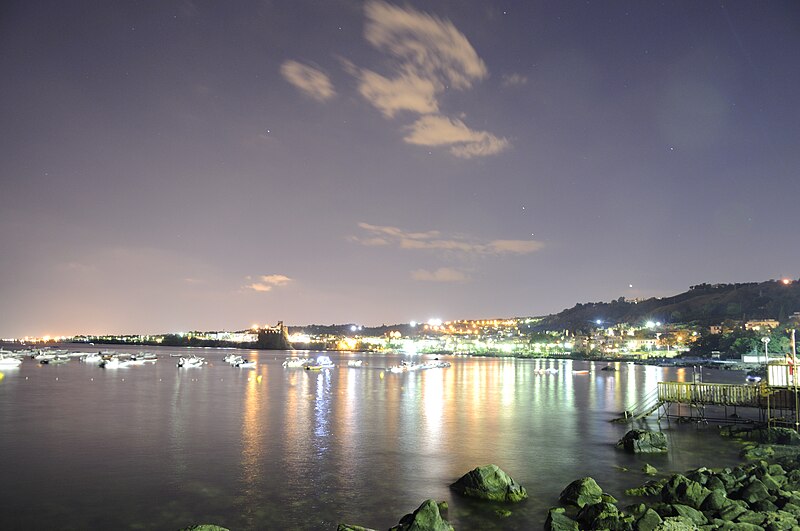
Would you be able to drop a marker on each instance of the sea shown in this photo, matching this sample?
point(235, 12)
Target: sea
point(162, 447)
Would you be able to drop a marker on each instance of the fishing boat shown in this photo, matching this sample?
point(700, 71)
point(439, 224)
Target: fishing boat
point(94, 357)
point(322, 362)
point(296, 363)
point(191, 362)
point(7, 362)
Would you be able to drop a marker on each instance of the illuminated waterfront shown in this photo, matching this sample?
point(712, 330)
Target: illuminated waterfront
point(158, 447)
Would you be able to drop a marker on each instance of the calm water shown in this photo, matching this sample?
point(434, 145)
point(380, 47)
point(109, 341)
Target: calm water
point(157, 447)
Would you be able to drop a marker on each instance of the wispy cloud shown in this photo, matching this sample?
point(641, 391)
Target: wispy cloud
point(429, 56)
point(424, 44)
point(443, 274)
point(267, 282)
point(311, 81)
point(434, 130)
point(434, 240)
point(514, 80)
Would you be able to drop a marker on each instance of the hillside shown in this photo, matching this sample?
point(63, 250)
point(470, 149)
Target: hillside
point(704, 304)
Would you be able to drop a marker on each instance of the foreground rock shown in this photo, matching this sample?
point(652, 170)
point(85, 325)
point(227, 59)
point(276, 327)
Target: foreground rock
point(644, 441)
point(426, 518)
point(489, 483)
point(205, 527)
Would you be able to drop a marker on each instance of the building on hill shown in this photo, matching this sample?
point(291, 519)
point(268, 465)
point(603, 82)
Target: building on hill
point(761, 324)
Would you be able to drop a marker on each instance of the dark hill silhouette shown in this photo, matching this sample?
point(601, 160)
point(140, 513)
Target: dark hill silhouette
point(703, 304)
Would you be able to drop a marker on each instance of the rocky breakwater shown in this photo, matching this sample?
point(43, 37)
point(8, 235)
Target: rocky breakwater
point(752, 496)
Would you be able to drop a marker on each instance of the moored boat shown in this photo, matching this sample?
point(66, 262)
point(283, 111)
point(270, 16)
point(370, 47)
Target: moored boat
point(7, 362)
point(322, 362)
point(297, 363)
point(191, 361)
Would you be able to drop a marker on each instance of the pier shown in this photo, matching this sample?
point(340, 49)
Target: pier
point(775, 402)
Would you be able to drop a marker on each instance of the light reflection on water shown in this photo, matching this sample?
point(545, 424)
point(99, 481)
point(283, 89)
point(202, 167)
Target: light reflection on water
point(161, 448)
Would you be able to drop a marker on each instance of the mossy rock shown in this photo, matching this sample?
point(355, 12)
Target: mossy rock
point(489, 483)
point(557, 520)
point(582, 492)
point(205, 527)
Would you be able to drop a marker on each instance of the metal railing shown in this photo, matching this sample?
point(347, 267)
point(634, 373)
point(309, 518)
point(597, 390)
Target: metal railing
point(710, 394)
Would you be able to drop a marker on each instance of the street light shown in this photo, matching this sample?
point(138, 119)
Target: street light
point(766, 341)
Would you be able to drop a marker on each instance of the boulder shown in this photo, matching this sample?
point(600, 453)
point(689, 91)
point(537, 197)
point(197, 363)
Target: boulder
point(489, 483)
point(558, 521)
point(644, 441)
point(676, 523)
point(581, 492)
point(600, 516)
point(692, 514)
point(425, 518)
point(650, 470)
point(680, 489)
point(205, 527)
point(648, 521)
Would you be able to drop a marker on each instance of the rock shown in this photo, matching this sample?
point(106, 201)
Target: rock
point(599, 516)
point(688, 512)
point(715, 501)
point(205, 527)
point(651, 488)
point(425, 518)
point(648, 521)
point(649, 469)
point(558, 521)
point(502, 513)
point(644, 441)
point(680, 489)
point(732, 511)
point(676, 523)
point(751, 517)
point(489, 483)
point(753, 492)
point(348, 527)
point(581, 492)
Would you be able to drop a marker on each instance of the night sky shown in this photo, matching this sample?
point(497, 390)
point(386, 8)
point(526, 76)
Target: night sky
point(169, 166)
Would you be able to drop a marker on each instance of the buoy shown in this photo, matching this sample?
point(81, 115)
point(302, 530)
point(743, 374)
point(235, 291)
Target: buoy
point(258, 378)
point(381, 375)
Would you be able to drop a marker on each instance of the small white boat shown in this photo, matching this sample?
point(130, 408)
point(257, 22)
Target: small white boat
point(114, 362)
point(297, 362)
point(245, 364)
point(191, 361)
point(355, 363)
point(7, 362)
point(323, 362)
point(752, 378)
point(94, 357)
point(233, 359)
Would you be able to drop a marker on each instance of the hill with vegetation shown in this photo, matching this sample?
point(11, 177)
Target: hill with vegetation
point(701, 305)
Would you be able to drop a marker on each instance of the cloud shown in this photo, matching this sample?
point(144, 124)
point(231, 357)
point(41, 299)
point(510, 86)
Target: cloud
point(514, 80)
point(436, 130)
point(430, 46)
point(443, 274)
point(407, 92)
point(311, 81)
point(433, 240)
point(268, 282)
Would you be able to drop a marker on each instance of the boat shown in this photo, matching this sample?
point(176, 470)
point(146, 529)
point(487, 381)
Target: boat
point(54, 360)
point(355, 363)
point(191, 361)
point(233, 359)
point(548, 370)
point(245, 364)
point(94, 357)
point(7, 362)
point(322, 362)
point(114, 362)
point(580, 372)
point(297, 362)
point(753, 378)
point(609, 368)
